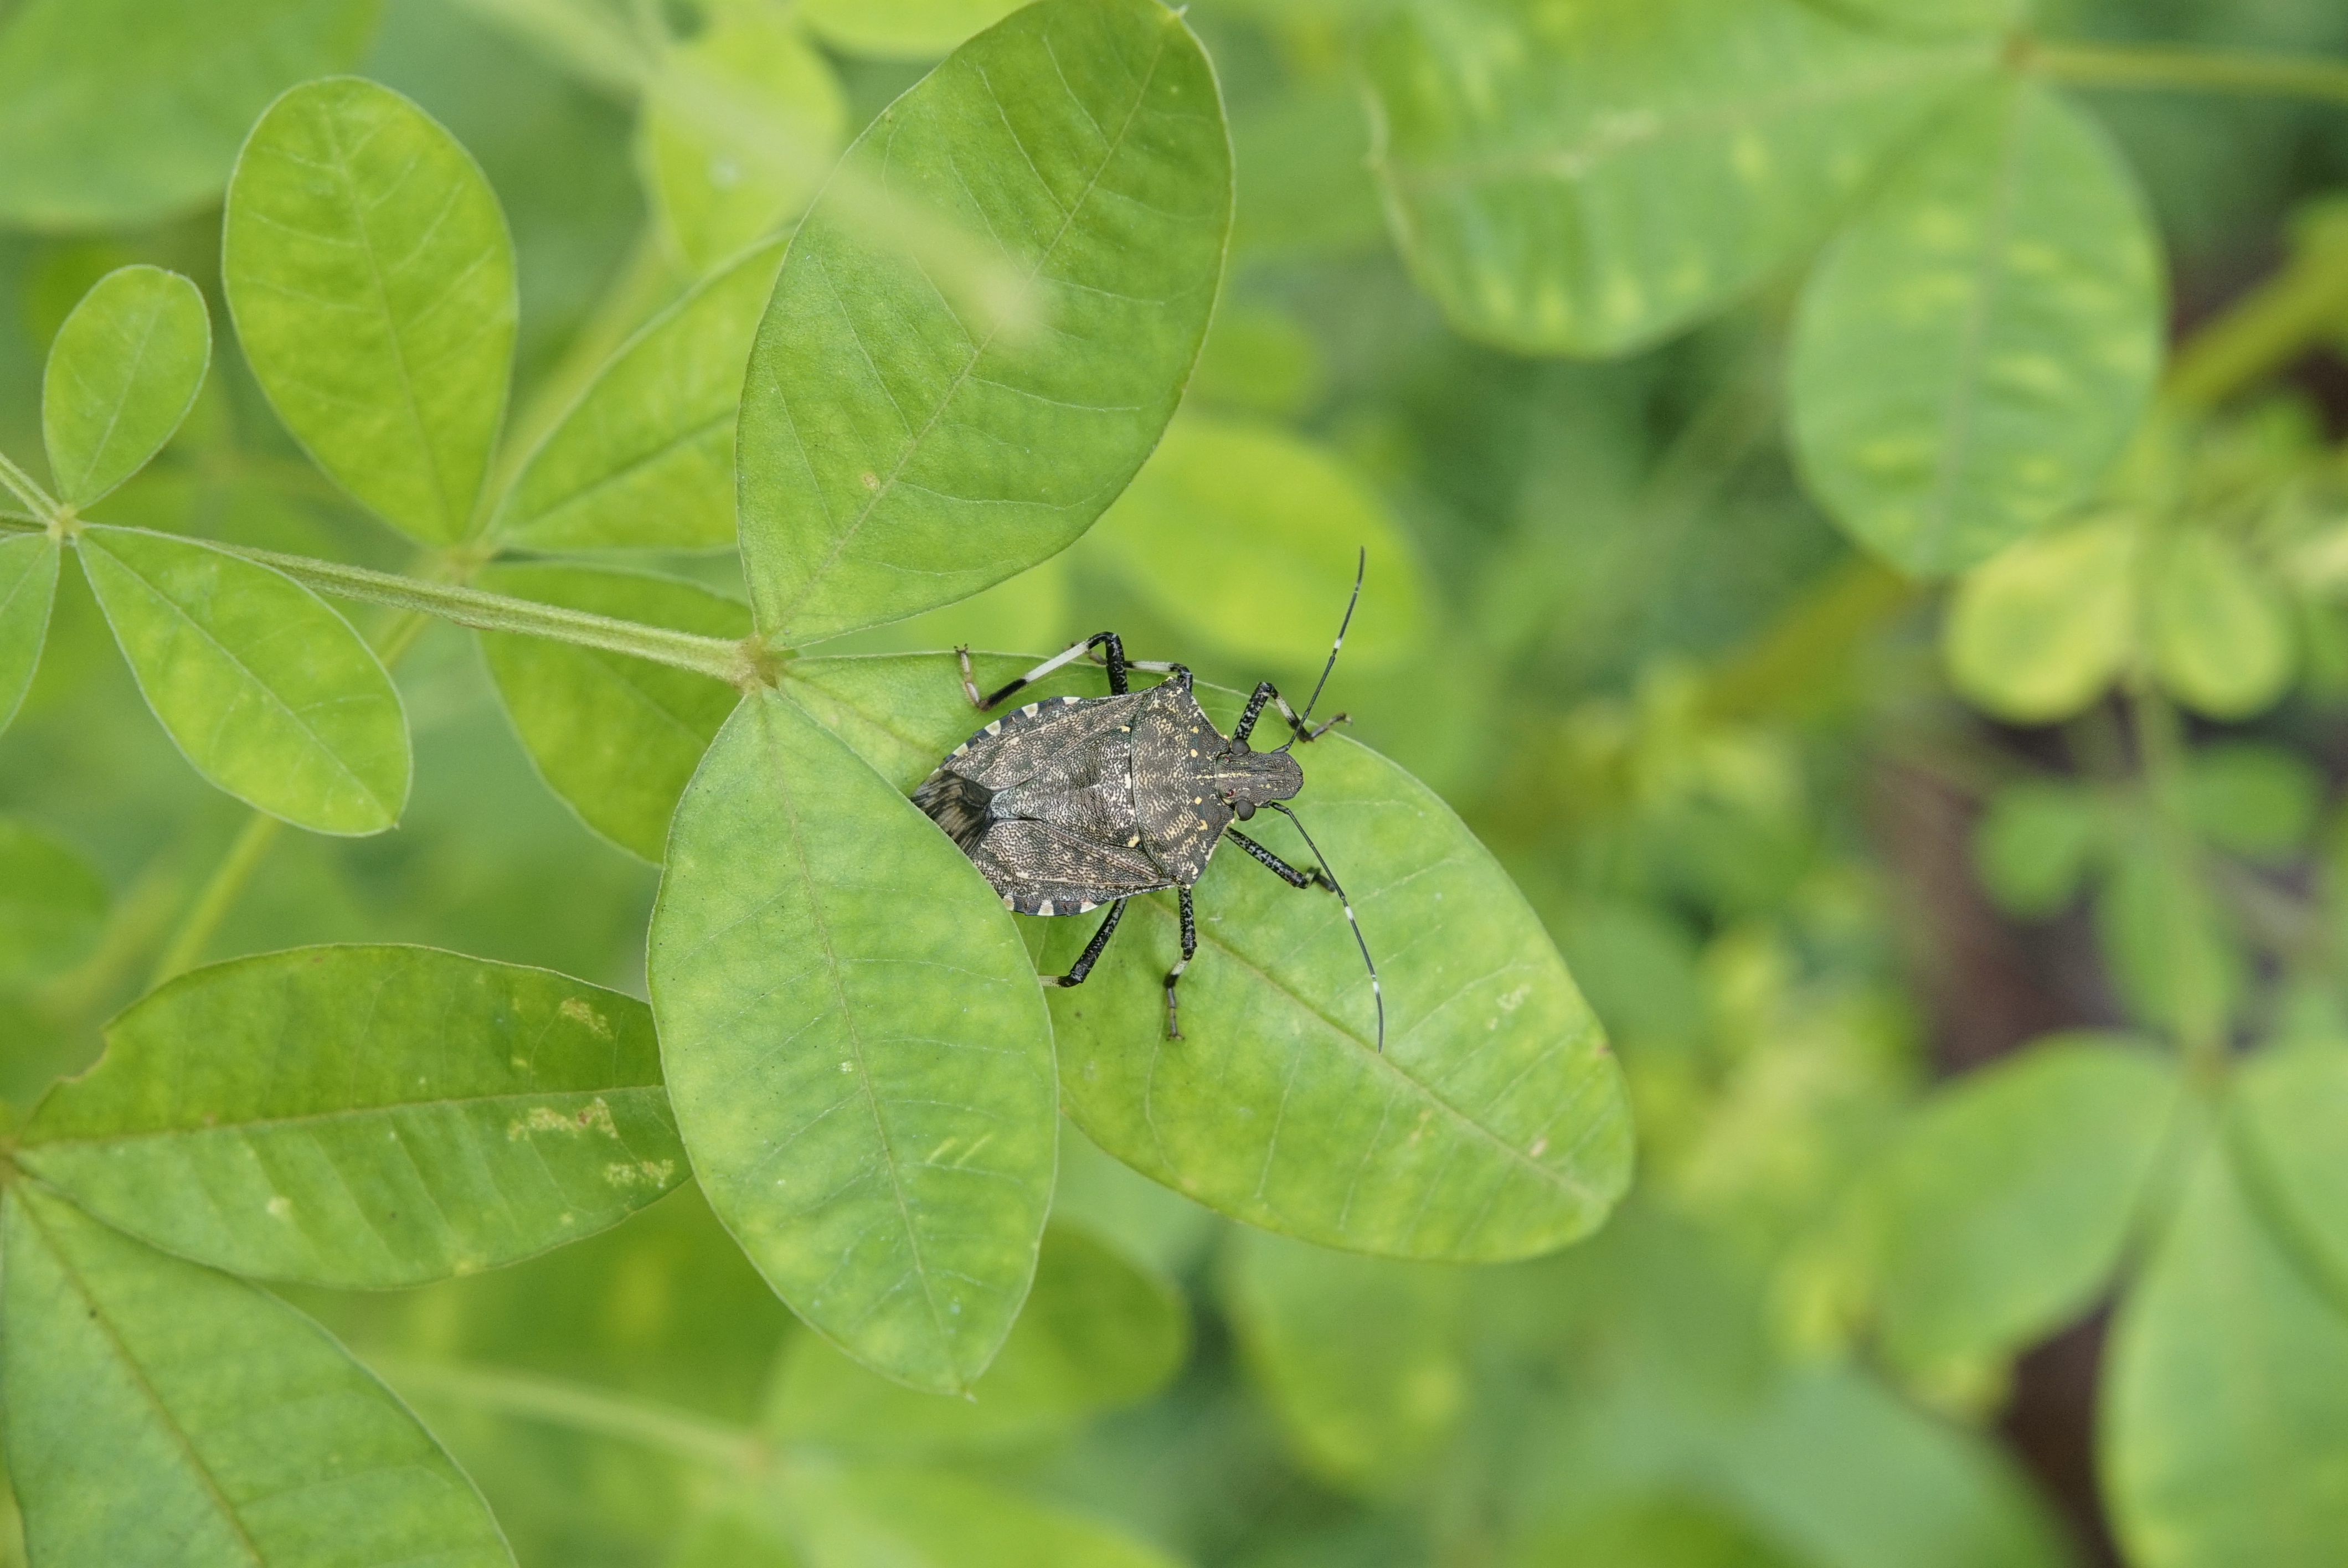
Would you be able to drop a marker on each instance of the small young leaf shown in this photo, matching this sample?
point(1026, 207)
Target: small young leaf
point(1493, 1126)
point(2222, 639)
point(1588, 179)
point(28, 587)
point(366, 263)
point(364, 1116)
point(2257, 801)
point(246, 1435)
point(2170, 956)
point(901, 29)
point(1970, 357)
point(644, 459)
point(2034, 843)
point(266, 690)
point(2038, 631)
point(856, 1048)
point(738, 129)
point(614, 737)
point(124, 370)
point(118, 113)
point(897, 451)
point(52, 903)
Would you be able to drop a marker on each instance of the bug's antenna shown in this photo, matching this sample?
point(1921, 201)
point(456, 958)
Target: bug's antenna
point(1377, 997)
point(1361, 564)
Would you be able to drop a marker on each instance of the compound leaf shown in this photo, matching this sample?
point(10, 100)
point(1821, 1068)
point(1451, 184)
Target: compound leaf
point(1588, 178)
point(28, 587)
point(264, 688)
point(1971, 357)
point(364, 1116)
point(898, 450)
point(246, 1434)
point(120, 112)
point(123, 372)
point(644, 459)
point(614, 737)
point(52, 902)
point(856, 1048)
point(367, 265)
point(1493, 1126)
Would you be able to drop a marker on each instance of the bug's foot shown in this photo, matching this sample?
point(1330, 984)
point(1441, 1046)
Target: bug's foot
point(1319, 730)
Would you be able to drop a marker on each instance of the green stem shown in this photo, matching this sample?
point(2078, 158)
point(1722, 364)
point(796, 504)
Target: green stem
point(2182, 70)
point(2160, 759)
point(679, 1434)
point(2270, 326)
point(202, 920)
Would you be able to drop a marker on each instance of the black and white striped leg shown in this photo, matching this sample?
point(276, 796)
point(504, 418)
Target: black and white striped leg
point(1107, 641)
point(1091, 955)
point(1190, 950)
point(1266, 693)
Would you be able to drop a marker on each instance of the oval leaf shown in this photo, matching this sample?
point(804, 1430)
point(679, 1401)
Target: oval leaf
point(897, 452)
point(2287, 1147)
point(247, 1436)
point(267, 691)
point(856, 1047)
point(2040, 631)
point(28, 587)
point(905, 1517)
point(644, 460)
point(53, 903)
point(123, 372)
point(1494, 1126)
point(365, 1117)
point(366, 263)
point(1970, 358)
point(1585, 179)
point(2222, 639)
point(616, 738)
point(901, 29)
point(121, 112)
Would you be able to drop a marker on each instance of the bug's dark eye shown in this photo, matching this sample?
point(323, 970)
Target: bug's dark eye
point(1243, 809)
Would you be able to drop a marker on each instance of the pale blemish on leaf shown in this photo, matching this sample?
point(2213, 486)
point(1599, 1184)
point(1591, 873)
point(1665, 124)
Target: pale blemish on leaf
point(577, 1010)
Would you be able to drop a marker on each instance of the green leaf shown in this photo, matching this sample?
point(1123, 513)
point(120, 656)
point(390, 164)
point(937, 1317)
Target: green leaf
point(1494, 1125)
point(1216, 493)
point(268, 692)
point(2005, 1205)
point(2224, 1433)
point(124, 370)
point(1587, 180)
point(856, 1047)
point(53, 902)
point(1933, 18)
point(122, 112)
point(2167, 949)
point(739, 127)
point(902, 1517)
point(2035, 844)
point(28, 586)
point(1973, 353)
point(898, 451)
point(901, 29)
point(614, 737)
point(2288, 1151)
point(2221, 638)
point(366, 263)
point(2038, 632)
point(644, 459)
point(364, 1116)
point(2257, 801)
point(1097, 1332)
point(242, 1433)
point(1361, 1357)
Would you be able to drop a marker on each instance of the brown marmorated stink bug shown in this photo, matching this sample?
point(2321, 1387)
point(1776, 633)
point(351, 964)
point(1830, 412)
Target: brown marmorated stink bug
point(1072, 802)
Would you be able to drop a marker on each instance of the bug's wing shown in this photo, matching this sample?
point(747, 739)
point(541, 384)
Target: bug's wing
point(1010, 749)
point(1041, 869)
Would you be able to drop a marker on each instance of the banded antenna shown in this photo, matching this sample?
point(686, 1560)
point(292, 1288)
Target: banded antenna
point(1377, 997)
point(1361, 564)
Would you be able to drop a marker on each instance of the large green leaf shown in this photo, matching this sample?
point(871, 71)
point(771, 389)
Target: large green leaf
point(266, 690)
point(52, 902)
point(2039, 630)
point(1493, 1126)
point(120, 112)
point(2287, 1144)
point(28, 587)
point(615, 737)
point(900, 450)
point(901, 29)
point(856, 1047)
point(2224, 1429)
point(365, 1116)
point(1970, 358)
point(2004, 1207)
point(123, 372)
point(367, 265)
point(645, 458)
point(157, 1412)
point(1587, 178)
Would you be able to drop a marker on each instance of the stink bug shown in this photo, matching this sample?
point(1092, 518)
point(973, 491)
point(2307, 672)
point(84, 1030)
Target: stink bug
point(1072, 802)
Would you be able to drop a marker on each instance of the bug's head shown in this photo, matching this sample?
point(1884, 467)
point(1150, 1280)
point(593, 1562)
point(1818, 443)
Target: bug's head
point(1247, 779)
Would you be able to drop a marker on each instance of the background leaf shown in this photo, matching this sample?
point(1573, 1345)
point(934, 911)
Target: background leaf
point(364, 1116)
point(244, 1432)
point(615, 737)
point(910, 1518)
point(2034, 843)
point(52, 902)
point(1587, 180)
point(268, 692)
point(2288, 1104)
point(1970, 357)
point(28, 586)
point(123, 111)
point(901, 29)
point(2039, 630)
point(123, 372)
point(367, 265)
point(856, 1047)
point(898, 451)
point(2221, 636)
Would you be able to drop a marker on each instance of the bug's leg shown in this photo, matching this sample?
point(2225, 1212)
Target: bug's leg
point(1068, 655)
point(1091, 955)
point(1178, 675)
point(1189, 950)
point(1279, 867)
point(1265, 691)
